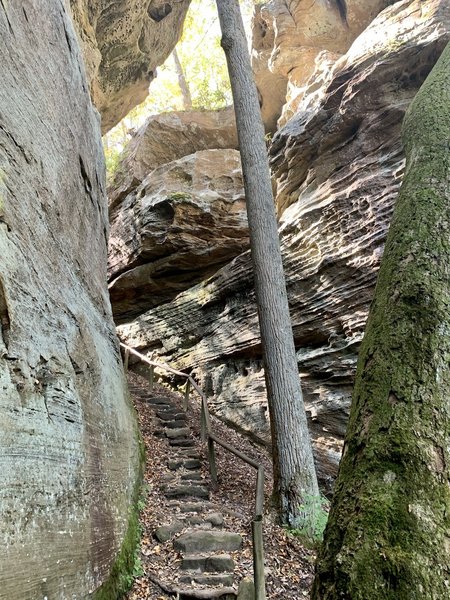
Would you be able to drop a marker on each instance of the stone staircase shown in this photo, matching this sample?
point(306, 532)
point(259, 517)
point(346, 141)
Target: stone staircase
point(193, 525)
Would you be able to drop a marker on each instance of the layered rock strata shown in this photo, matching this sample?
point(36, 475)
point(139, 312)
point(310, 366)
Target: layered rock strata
point(123, 43)
point(185, 221)
point(337, 165)
point(68, 445)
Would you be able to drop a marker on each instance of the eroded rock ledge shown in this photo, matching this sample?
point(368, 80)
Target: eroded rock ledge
point(338, 165)
point(123, 43)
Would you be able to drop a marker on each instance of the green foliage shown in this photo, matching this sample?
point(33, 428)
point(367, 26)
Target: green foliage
point(315, 512)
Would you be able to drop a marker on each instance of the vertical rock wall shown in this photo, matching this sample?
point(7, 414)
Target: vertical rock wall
point(69, 453)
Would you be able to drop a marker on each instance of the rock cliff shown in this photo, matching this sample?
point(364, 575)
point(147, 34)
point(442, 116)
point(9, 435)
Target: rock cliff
point(337, 166)
point(69, 454)
point(123, 43)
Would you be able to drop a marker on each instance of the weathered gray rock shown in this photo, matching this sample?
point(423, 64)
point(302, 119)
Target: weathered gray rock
point(216, 563)
point(199, 541)
point(213, 579)
point(167, 137)
point(337, 166)
point(181, 491)
point(68, 447)
point(166, 532)
point(183, 223)
point(123, 43)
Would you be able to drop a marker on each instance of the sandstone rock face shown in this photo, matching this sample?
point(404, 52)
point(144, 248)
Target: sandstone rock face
point(338, 165)
point(123, 43)
point(68, 444)
point(301, 30)
point(272, 87)
point(185, 221)
point(169, 136)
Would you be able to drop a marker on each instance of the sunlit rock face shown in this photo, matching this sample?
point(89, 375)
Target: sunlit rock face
point(185, 221)
point(300, 30)
point(337, 165)
point(68, 443)
point(167, 137)
point(123, 42)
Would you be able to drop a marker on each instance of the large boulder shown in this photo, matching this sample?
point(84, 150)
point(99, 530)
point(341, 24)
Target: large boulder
point(123, 43)
point(338, 165)
point(170, 136)
point(185, 221)
point(69, 454)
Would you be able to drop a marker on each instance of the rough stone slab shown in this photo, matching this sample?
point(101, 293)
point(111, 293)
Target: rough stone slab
point(159, 401)
point(191, 593)
point(192, 476)
point(178, 424)
point(196, 542)
point(213, 579)
point(182, 442)
point(246, 589)
point(183, 432)
point(194, 507)
point(166, 532)
point(169, 414)
point(174, 465)
point(215, 518)
point(187, 490)
point(192, 464)
point(189, 453)
point(219, 563)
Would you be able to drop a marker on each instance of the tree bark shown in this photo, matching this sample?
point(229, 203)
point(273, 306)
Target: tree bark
point(184, 87)
point(388, 534)
point(295, 482)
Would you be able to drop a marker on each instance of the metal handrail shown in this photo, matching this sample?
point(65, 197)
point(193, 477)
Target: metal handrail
point(208, 436)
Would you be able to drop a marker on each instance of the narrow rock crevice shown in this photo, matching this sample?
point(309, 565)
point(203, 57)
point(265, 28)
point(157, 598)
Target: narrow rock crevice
point(5, 323)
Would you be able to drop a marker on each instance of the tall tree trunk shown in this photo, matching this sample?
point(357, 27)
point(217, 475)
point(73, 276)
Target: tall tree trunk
point(184, 87)
point(295, 476)
point(388, 535)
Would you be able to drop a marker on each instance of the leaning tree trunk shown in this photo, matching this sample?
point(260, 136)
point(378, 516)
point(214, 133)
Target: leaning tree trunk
point(388, 535)
point(295, 477)
point(183, 84)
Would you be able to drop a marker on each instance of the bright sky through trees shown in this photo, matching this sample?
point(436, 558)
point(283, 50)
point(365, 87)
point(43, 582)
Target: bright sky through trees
point(204, 67)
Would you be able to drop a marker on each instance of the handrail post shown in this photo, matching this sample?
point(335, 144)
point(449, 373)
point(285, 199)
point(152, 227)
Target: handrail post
point(203, 422)
point(186, 394)
point(151, 378)
point(126, 360)
point(258, 559)
point(258, 542)
point(212, 462)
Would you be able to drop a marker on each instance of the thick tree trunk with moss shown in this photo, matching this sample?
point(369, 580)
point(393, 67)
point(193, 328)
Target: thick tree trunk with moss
point(388, 535)
point(295, 481)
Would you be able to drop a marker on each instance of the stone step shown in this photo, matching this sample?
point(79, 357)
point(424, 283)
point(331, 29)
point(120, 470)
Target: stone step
point(178, 424)
point(201, 541)
point(170, 415)
point(166, 532)
point(215, 563)
point(158, 401)
point(192, 476)
point(194, 507)
point(191, 464)
point(181, 491)
point(181, 442)
point(188, 453)
point(195, 593)
point(183, 432)
point(213, 579)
